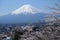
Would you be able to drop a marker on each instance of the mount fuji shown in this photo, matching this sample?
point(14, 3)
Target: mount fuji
point(24, 14)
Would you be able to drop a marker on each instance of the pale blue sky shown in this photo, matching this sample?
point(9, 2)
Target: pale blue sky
point(7, 6)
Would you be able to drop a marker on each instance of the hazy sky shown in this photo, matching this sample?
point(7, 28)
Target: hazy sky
point(7, 6)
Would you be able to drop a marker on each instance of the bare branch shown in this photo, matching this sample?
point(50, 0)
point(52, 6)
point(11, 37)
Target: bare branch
point(54, 8)
point(55, 13)
point(58, 5)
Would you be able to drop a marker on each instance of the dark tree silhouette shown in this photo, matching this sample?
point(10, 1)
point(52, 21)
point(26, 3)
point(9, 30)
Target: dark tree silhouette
point(17, 34)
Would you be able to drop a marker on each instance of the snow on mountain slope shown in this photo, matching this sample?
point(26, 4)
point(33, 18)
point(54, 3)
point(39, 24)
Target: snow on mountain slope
point(26, 9)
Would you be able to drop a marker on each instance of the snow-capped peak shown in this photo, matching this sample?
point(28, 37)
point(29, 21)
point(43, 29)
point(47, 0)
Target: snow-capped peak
point(26, 9)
